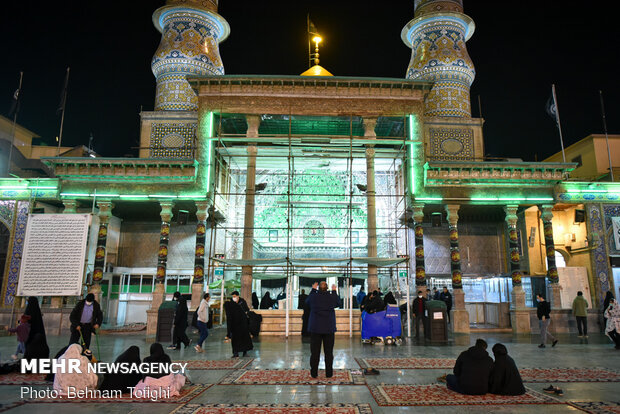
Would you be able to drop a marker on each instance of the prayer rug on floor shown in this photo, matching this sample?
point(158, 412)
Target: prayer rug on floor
point(16, 378)
point(292, 377)
point(406, 363)
point(597, 407)
point(8, 406)
point(552, 375)
point(435, 394)
point(187, 394)
point(230, 363)
point(273, 408)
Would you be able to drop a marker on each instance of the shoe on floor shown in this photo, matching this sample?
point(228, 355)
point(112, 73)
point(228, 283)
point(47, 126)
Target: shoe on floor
point(172, 347)
point(554, 343)
point(550, 389)
point(541, 345)
point(558, 391)
point(585, 336)
point(579, 336)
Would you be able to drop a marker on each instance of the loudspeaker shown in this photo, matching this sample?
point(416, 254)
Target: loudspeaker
point(182, 217)
point(580, 216)
point(436, 219)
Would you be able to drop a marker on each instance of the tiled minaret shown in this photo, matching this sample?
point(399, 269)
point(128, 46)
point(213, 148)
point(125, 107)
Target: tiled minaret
point(191, 33)
point(437, 37)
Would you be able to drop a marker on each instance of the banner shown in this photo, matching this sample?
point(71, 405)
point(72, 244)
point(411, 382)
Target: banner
point(54, 253)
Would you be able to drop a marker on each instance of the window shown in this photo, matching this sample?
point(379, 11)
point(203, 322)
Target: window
point(273, 236)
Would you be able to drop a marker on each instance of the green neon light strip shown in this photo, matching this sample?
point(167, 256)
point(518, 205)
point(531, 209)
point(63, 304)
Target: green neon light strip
point(161, 196)
point(411, 173)
point(429, 198)
point(209, 149)
point(74, 195)
point(133, 196)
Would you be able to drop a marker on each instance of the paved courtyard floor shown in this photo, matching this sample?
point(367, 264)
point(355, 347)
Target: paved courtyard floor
point(278, 353)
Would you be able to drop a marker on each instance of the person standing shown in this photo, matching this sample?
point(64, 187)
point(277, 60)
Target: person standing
point(446, 296)
point(36, 344)
point(255, 302)
point(239, 325)
point(86, 317)
point(22, 330)
point(429, 295)
point(180, 324)
point(580, 312)
point(543, 310)
point(322, 325)
point(302, 299)
point(360, 297)
point(418, 308)
point(435, 294)
point(612, 329)
point(203, 320)
point(608, 298)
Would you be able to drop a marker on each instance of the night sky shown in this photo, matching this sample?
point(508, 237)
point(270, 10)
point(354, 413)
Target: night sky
point(519, 49)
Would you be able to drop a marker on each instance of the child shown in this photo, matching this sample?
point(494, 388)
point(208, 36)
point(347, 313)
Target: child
point(23, 329)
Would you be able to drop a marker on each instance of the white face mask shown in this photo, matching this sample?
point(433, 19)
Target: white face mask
point(235, 298)
point(89, 303)
point(420, 296)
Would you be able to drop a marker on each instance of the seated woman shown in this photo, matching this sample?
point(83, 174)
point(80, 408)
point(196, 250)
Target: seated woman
point(505, 378)
point(122, 382)
point(77, 381)
point(160, 382)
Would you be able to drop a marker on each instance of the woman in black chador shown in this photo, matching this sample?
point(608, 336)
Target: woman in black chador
point(239, 325)
point(505, 378)
point(122, 382)
point(36, 344)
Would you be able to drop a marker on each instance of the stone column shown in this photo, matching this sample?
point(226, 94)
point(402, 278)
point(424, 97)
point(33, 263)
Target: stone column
point(70, 208)
point(553, 290)
point(105, 212)
point(248, 220)
point(162, 259)
point(420, 271)
point(199, 256)
point(520, 315)
point(373, 280)
point(459, 317)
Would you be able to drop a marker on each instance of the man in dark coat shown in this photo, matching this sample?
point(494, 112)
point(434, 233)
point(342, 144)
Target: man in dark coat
point(472, 371)
point(180, 324)
point(302, 299)
point(85, 317)
point(418, 309)
point(505, 377)
point(446, 296)
point(322, 325)
point(238, 312)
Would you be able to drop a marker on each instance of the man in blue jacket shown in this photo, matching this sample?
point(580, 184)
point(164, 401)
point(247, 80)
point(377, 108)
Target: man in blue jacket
point(322, 325)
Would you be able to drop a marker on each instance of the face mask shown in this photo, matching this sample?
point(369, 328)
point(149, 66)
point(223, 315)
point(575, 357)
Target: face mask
point(420, 296)
point(235, 298)
point(89, 303)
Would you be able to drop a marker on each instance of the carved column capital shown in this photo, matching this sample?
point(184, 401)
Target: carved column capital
point(70, 206)
point(370, 153)
point(201, 210)
point(546, 212)
point(105, 211)
point(166, 210)
point(453, 213)
point(253, 125)
point(511, 214)
point(418, 213)
point(369, 127)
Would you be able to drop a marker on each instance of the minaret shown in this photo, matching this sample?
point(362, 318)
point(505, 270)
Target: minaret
point(437, 37)
point(191, 33)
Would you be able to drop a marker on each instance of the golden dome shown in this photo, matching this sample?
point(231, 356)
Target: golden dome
point(316, 70)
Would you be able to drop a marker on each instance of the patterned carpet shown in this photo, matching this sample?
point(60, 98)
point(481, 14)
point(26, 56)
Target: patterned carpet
point(274, 408)
point(230, 363)
point(15, 378)
point(420, 395)
point(188, 393)
point(569, 375)
point(597, 407)
point(292, 377)
point(406, 363)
